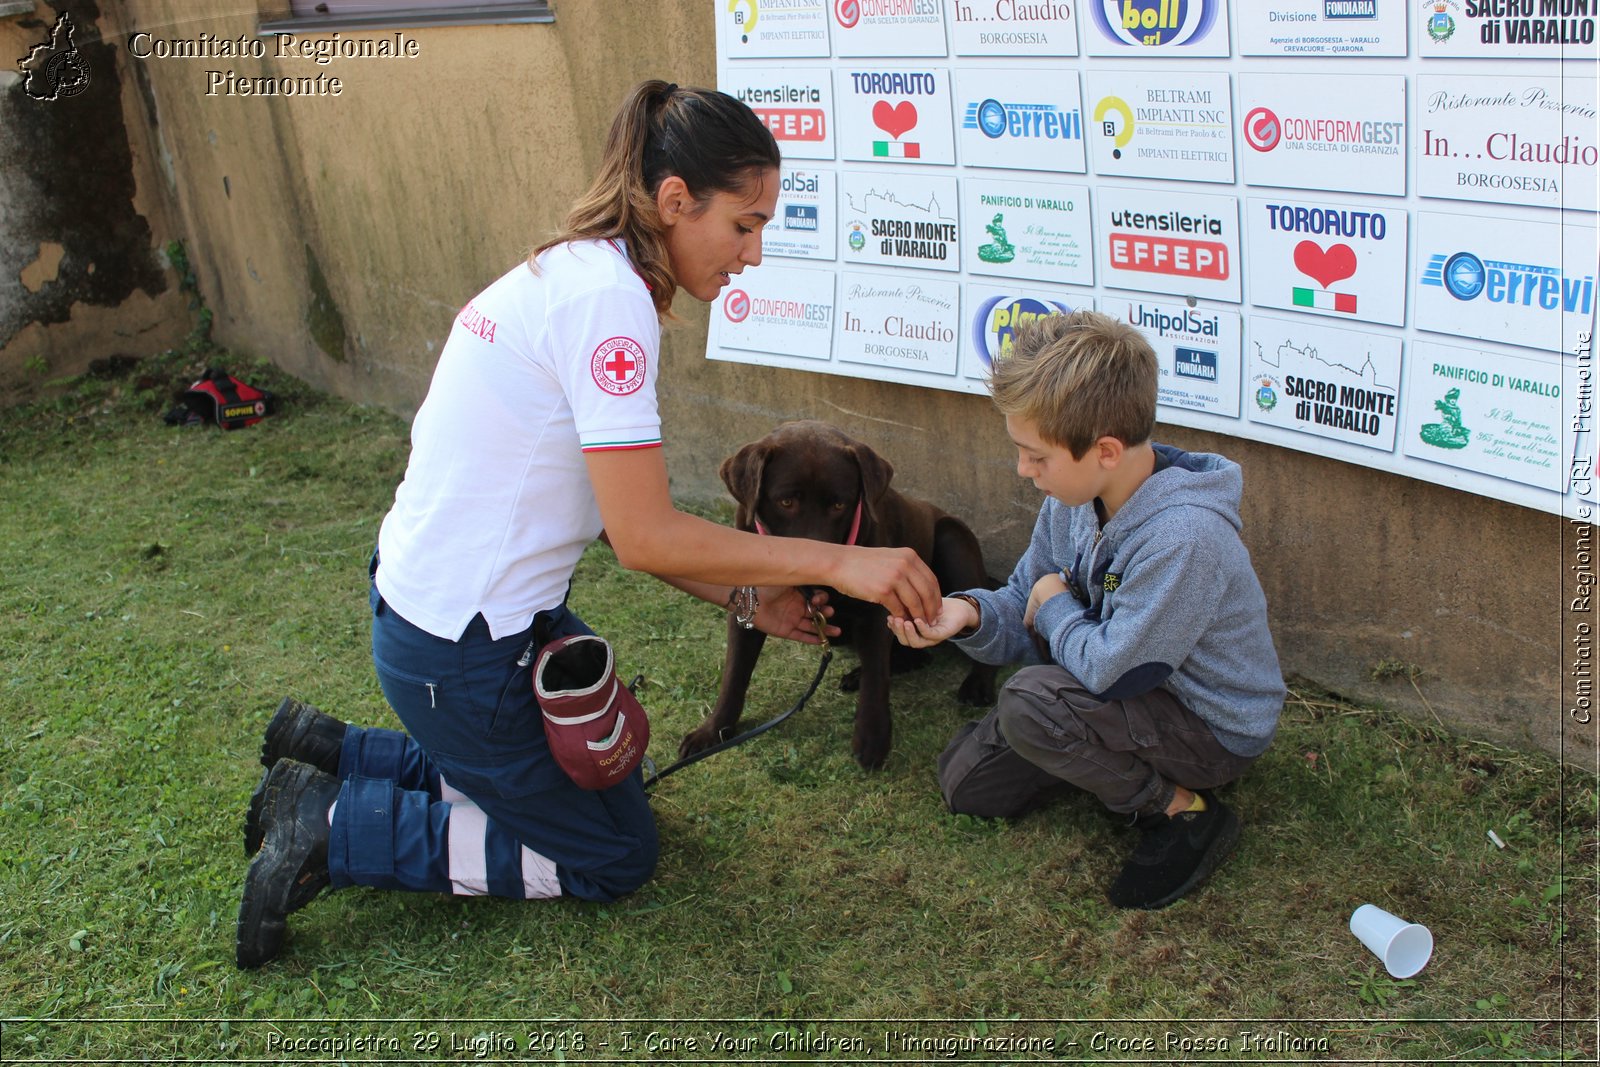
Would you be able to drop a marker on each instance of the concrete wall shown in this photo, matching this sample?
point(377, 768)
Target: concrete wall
point(339, 236)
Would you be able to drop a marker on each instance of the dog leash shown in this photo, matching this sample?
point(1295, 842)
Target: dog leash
point(652, 776)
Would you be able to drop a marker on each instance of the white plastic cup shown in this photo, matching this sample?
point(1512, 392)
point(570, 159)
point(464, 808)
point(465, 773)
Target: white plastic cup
point(1403, 947)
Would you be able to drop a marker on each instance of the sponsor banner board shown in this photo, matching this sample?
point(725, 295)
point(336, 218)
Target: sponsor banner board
point(895, 115)
point(1144, 29)
point(786, 310)
point(1013, 28)
point(899, 321)
point(1333, 383)
point(1177, 242)
point(772, 29)
point(1160, 124)
point(1197, 349)
point(899, 219)
point(1491, 413)
point(806, 224)
point(1340, 260)
point(994, 310)
point(1341, 132)
point(1508, 140)
point(1495, 279)
point(1504, 29)
point(888, 27)
point(1019, 118)
point(1321, 27)
point(795, 103)
point(1027, 230)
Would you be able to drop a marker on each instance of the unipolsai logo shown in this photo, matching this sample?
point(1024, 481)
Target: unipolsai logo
point(55, 70)
point(1155, 23)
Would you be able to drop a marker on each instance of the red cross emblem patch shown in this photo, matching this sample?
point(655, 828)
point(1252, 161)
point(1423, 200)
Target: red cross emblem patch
point(618, 366)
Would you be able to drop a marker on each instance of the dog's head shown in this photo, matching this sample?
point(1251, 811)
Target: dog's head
point(806, 479)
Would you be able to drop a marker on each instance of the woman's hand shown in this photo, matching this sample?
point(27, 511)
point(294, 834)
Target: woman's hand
point(894, 577)
point(785, 612)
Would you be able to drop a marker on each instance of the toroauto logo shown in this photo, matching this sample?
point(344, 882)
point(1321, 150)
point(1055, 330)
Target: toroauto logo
point(736, 305)
point(1262, 130)
point(1155, 23)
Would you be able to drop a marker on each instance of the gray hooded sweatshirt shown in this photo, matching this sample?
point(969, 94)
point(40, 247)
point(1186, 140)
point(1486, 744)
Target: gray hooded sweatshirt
point(1162, 596)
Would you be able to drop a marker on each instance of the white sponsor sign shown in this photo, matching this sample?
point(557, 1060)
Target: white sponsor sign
point(993, 312)
point(896, 321)
point(795, 103)
point(895, 115)
point(1321, 27)
point(807, 219)
point(1020, 118)
point(772, 29)
point(1013, 28)
point(1342, 132)
point(1027, 230)
point(888, 27)
point(1340, 260)
point(1165, 241)
point(1494, 279)
point(1154, 28)
point(1509, 29)
point(1509, 140)
point(784, 310)
point(1333, 383)
point(1160, 124)
point(899, 219)
point(1490, 412)
point(1196, 347)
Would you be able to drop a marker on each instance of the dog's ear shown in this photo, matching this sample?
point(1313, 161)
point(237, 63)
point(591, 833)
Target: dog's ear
point(875, 474)
point(741, 473)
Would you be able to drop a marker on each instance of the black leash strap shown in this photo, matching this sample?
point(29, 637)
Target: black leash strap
point(652, 776)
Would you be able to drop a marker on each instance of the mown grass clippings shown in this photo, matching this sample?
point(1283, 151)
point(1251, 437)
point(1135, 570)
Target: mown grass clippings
point(165, 587)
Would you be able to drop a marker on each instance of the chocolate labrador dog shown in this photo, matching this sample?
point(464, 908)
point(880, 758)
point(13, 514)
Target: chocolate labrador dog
point(808, 479)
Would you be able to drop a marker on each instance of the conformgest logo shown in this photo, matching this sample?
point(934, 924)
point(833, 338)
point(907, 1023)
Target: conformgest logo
point(994, 326)
point(1264, 131)
point(1467, 276)
point(1023, 121)
point(1155, 23)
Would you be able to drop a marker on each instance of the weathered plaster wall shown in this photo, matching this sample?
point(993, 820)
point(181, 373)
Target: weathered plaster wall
point(339, 236)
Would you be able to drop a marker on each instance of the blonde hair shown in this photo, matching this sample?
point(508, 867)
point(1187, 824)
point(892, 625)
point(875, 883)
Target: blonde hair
point(715, 143)
point(1079, 377)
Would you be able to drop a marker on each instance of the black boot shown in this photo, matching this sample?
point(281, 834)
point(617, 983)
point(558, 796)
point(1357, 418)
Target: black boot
point(292, 866)
point(298, 732)
point(1175, 854)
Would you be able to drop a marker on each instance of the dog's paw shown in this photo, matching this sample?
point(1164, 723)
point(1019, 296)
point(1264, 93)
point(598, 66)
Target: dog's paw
point(977, 689)
point(851, 682)
point(870, 748)
point(699, 739)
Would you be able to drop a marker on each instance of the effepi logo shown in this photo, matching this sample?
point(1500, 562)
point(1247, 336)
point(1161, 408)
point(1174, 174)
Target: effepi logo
point(1262, 130)
point(995, 323)
point(1025, 121)
point(1468, 276)
point(1151, 251)
point(55, 70)
point(736, 305)
point(1155, 23)
point(784, 110)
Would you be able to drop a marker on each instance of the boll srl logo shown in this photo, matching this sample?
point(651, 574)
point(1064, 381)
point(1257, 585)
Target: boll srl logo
point(1155, 23)
point(1022, 121)
point(997, 318)
point(1468, 276)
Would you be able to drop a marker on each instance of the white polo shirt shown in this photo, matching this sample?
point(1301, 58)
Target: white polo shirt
point(496, 505)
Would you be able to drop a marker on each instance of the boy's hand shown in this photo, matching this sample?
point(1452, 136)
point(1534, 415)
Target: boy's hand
point(1050, 585)
point(956, 616)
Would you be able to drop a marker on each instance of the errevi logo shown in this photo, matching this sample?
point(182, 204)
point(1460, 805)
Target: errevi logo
point(1262, 130)
point(848, 12)
point(736, 305)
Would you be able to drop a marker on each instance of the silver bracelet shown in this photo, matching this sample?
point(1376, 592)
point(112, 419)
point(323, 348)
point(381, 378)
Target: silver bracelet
point(743, 604)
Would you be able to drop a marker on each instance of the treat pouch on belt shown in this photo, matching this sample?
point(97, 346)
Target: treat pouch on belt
point(226, 401)
point(596, 728)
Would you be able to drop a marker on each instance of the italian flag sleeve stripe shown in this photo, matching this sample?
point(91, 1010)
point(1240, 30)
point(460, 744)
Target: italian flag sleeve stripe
point(623, 446)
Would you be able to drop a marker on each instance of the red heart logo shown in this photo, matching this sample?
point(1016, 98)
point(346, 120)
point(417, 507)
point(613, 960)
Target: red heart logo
point(1337, 263)
point(894, 120)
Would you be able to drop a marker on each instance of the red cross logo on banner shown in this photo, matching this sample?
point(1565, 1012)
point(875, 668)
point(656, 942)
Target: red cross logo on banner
point(618, 366)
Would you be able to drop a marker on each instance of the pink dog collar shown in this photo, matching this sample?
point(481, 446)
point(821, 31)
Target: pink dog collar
point(855, 526)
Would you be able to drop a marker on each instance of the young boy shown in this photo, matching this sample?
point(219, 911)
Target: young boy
point(1159, 681)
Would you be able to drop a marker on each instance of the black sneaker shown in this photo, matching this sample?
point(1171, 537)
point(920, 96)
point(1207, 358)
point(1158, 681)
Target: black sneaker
point(1175, 854)
point(292, 866)
point(298, 732)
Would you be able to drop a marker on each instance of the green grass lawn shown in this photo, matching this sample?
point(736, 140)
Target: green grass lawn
point(162, 588)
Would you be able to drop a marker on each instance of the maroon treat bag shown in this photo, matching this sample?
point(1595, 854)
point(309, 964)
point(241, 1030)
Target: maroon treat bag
point(596, 727)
